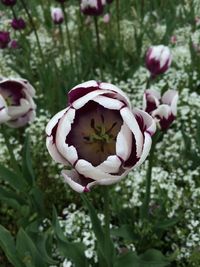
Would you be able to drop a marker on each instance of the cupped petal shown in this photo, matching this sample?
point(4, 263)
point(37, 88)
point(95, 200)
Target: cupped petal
point(88, 170)
point(21, 120)
point(146, 149)
point(108, 102)
point(119, 94)
point(3, 111)
point(63, 129)
point(163, 111)
point(80, 102)
point(123, 142)
point(22, 109)
point(170, 98)
point(54, 120)
point(132, 123)
point(111, 165)
point(145, 121)
point(53, 151)
point(82, 89)
point(72, 178)
point(151, 100)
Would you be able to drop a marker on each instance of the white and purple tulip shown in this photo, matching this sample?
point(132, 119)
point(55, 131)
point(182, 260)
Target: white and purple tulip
point(92, 7)
point(17, 107)
point(57, 15)
point(163, 109)
point(158, 59)
point(99, 136)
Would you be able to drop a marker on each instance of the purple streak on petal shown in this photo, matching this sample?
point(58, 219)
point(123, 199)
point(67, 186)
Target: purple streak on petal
point(80, 92)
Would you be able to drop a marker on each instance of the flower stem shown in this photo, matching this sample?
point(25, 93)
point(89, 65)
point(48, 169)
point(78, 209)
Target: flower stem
point(34, 28)
point(68, 34)
point(10, 150)
point(147, 198)
point(98, 44)
point(118, 21)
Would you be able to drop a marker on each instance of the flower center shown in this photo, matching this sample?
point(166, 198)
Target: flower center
point(94, 132)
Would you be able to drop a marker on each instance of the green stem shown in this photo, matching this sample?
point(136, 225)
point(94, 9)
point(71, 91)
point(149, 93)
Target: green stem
point(98, 44)
point(10, 150)
point(34, 28)
point(68, 34)
point(118, 21)
point(147, 198)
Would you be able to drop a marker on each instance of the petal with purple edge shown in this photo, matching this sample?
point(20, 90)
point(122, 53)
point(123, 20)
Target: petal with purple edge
point(146, 149)
point(123, 142)
point(110, 165)
point(108, 102)
point(132, 123)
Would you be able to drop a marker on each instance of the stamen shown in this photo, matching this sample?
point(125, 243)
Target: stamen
point(111, 128)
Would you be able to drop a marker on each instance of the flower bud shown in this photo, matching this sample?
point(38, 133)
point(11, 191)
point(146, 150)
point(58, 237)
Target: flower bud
point(99, 136)
point(17, 107)
point(18, 24)
point(158, 59)
point(57, 15)
point(92, 7)
point(14, 44)
point(163, 109)
point(4, 39)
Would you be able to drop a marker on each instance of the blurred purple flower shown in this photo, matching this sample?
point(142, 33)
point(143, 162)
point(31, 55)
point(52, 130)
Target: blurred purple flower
point(14, 44)
point(92, 7)
point(18, 24)
point(4, 39)
point(9, 2)
point(57, 15)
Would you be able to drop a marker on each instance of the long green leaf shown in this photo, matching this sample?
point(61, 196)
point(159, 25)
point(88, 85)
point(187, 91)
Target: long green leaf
point(8, 246)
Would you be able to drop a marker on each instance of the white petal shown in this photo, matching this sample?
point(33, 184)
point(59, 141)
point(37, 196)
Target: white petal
point(163, 111)
point(86, 169)
point(72, 178)
point(80, 102)
point(108, 102)
point(146, 149)
point(120, 94)
point(171, 98)
point(148, 121)
point(16, 111)
point(87, 84)
point(52, 123)
point(132, 123)
point(110, 165)
point(53, 151)
point(124, 142)
point(64, 127)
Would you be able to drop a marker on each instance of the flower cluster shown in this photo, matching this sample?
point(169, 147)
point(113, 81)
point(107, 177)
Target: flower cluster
point(99, 136)
point(17, 107)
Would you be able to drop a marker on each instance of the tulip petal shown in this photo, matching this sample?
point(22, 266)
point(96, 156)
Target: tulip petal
point(72, 178)
point(145, 121)
point(88, 170)
point(146, 149)
point(79, 103)
point(110, 165)
point(120, 95)
point(64, 127)
point(170, 98)
point(123, 142)
point(52, 123)
point(131, 122)
point(109, 103)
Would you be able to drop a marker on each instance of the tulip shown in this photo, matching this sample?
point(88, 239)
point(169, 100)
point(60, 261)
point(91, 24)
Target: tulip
point(17, 107)
point(92, 7)
point(4, 39)
point(163, 109)
point(9, 2)
point(14, 44)
point(99, 136)
point(57, 15)
point(18, 24)
point(106, 18)
point(158, 59)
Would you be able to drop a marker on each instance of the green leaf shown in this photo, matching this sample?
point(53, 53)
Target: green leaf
point(167, 223)
point(28, 251)
point(26, 164)
point(8, 246)
point(126, 232)
point(73, 251)
point(151, 258)
point(15, 181)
